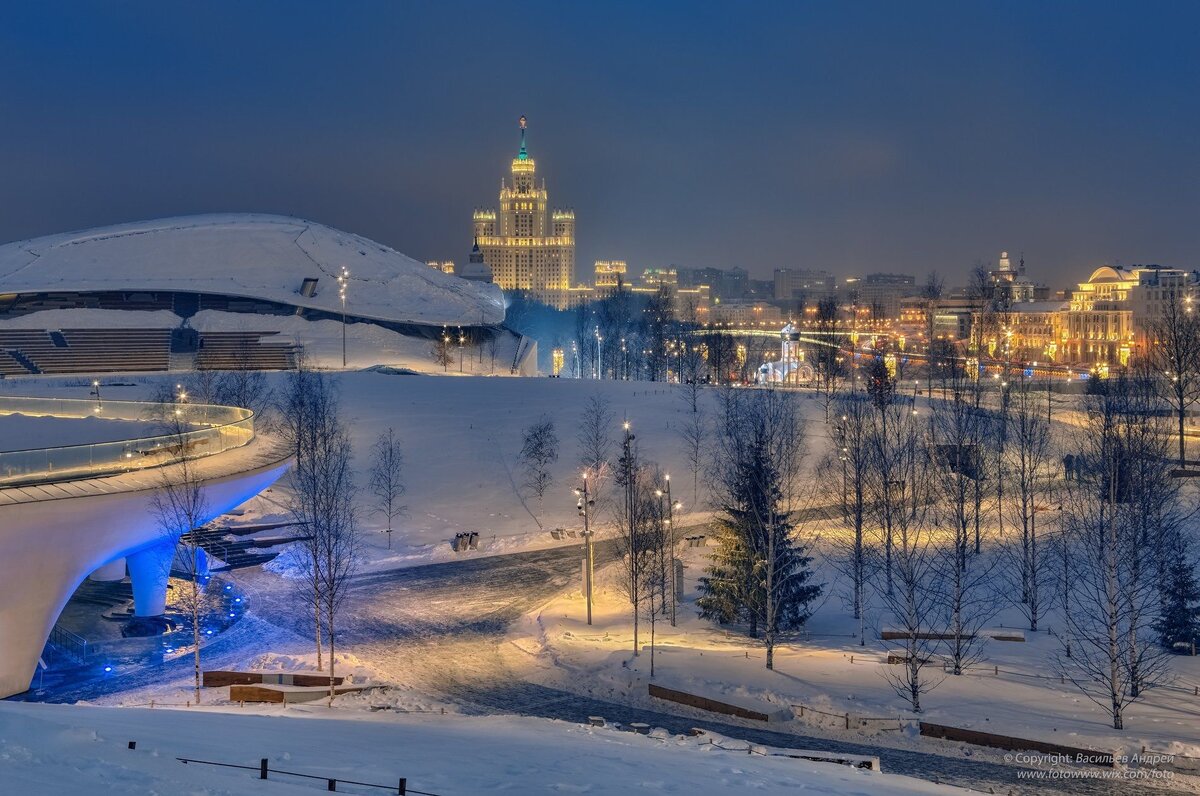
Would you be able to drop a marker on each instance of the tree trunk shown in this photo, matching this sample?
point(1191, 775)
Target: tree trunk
point(196, 630)
point(331, 656)
point(317, 626)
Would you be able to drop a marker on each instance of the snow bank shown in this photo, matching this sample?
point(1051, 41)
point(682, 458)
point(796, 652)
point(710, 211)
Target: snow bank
point(53, 749)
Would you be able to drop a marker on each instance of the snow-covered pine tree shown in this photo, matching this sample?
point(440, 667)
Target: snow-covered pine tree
point(759, 574)
point(1179, 621)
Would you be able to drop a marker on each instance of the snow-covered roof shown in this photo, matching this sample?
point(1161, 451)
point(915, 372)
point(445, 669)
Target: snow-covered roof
point(253, 256)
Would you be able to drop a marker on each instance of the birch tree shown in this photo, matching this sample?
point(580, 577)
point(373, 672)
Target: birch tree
point(180, 506)
point(387, 478)
point(539, 450)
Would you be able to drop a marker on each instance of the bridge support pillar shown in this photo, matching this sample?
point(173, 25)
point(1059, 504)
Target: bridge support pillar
point(149, 569)
point(113, 570)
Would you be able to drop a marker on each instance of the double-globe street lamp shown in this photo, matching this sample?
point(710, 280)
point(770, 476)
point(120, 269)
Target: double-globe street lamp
point(584, 505)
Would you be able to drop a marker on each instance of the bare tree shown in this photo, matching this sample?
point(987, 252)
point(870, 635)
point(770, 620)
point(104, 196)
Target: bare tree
point(694, 434)
point(493, 344)
point(539, 450)
point(827, 355)
point(658, 560)
point(594, 435)
point(311, 424)
point(248, 389)
point(387, 481)
point(334, 524)
point(854, 455)
point(912, 600)
point(691, 371)
point(1174, 351)
point(1030, 465)
point(180, 506)
point(931, 292)
point(442, 351)
point(1114, 656)
point(634, 516)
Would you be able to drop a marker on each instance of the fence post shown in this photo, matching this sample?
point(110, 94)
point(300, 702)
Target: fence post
point(403, 786)
point(262, 768)
point(333, 784)
point(133, 744)
point(847, 721)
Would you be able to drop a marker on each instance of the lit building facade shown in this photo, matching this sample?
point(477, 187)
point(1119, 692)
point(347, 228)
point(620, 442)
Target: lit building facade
point(525, 244)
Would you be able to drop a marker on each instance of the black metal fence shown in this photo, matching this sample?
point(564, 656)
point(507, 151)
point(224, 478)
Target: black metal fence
point(264, 770)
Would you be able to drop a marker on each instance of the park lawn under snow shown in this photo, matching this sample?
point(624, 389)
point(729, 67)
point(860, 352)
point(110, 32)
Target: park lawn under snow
point(461, 437)
point(826, 670)
point(56, 749)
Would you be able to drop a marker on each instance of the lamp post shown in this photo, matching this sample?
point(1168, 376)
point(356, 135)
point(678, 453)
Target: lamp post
point(599, 355)
point(670, 522)
point(584, 505)
point(343, 280)
point(96, 392)
point(461, 340)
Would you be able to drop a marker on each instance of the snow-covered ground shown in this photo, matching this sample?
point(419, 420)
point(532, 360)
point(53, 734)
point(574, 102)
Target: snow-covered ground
point(56, 749)
point(24, 432)
point(475, 630)
point(1013, 692)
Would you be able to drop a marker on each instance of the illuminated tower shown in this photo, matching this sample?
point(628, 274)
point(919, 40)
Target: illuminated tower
point(527, 248)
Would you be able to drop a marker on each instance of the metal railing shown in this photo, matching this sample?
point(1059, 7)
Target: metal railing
point(70, 644)
point(182, 431)
point(264, 771)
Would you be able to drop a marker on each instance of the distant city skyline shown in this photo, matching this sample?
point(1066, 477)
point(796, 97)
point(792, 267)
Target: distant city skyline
point(854, 139)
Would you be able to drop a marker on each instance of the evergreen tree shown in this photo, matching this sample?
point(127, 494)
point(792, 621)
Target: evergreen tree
point(1179, 621)
point(759, 575)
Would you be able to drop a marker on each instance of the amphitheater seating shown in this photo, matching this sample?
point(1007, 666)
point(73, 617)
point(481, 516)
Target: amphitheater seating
point(10, 366)
point(244, 351)
point(61, 351)
point(88, 350)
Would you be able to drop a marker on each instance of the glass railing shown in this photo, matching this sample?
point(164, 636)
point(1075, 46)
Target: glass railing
point(178, 431)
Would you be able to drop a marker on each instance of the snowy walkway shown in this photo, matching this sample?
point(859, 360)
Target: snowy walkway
point(441, 629)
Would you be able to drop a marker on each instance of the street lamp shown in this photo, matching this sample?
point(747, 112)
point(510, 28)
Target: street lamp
point(599, 355)
point(96, 392)
point(584, 505)
point(671, 540)
point(343, 280)
point(461, 340)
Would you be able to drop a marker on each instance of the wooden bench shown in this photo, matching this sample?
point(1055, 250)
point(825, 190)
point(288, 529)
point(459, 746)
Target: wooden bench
point(287, 694)
point(220, 679)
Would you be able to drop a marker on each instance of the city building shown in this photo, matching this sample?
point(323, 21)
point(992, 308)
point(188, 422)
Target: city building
point(527, 246)
point(610, 275)
point(879, 294)
point(689, 304)
point(726, 284)
point(445, 266)
point(802, 284)
point(744, 313)
point(1011, 285)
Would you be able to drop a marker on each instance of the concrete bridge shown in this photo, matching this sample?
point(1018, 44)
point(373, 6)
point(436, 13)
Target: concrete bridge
point(67, 512)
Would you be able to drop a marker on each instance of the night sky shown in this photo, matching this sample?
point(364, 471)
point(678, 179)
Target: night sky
point(854, 137)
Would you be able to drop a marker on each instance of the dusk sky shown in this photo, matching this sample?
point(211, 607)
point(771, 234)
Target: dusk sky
point(854, 137)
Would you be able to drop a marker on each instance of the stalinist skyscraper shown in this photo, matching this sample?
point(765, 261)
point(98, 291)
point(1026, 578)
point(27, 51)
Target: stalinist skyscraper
point(525, 249)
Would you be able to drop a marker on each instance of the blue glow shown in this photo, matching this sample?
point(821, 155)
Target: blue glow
point(108, 668)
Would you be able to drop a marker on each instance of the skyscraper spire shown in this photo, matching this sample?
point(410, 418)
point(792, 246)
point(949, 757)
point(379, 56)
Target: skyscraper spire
point(523, 155)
